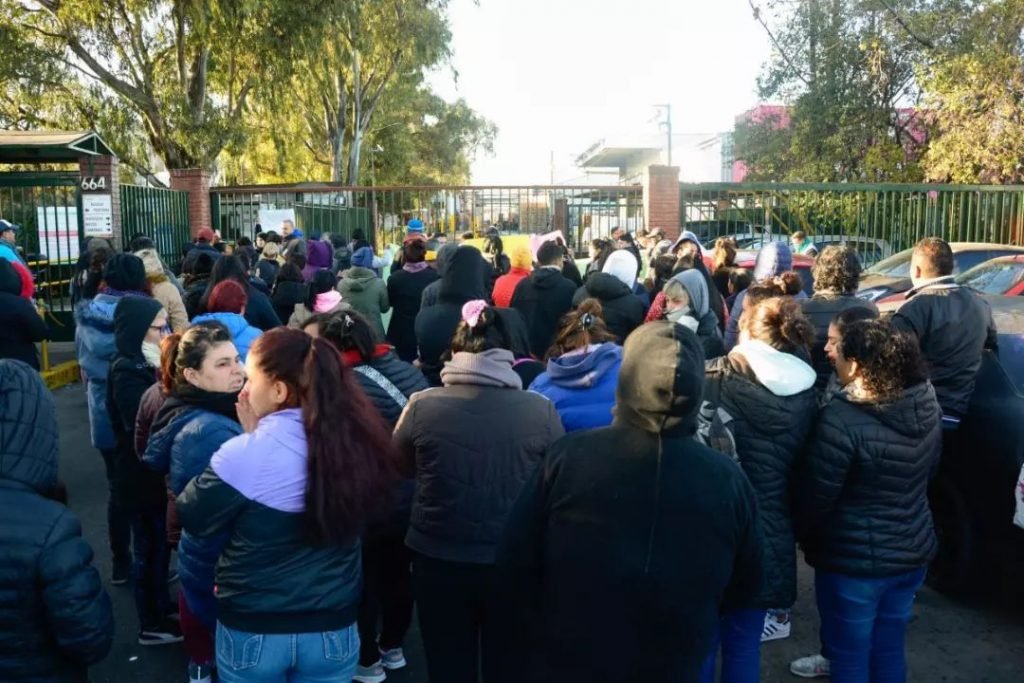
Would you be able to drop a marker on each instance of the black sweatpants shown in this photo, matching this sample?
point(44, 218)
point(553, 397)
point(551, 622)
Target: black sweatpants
point(387, 596)
point(463, 620)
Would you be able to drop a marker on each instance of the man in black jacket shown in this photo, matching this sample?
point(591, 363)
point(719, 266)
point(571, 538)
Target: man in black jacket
point(55, 616)
point(953, 324)
point(544, 297)
point(630, 538)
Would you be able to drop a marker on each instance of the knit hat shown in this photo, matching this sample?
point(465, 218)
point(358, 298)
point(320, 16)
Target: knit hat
point(363, 258)
point(206, 235)
point(125, 272)
point(775, 258)
point(415, 225)
point(521, 257)
point(622, 265)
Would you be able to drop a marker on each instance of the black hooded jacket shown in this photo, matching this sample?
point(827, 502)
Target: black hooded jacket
point(862, 491)
point(135, 484)
point(405, 293)
point(56, 618)
point(464, 279)
point(543, 298)
point(20, 325)
point(623, 310)
point(630, 538)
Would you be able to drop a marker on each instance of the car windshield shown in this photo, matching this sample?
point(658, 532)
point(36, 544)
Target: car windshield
point(993, 277)
point(897, 265)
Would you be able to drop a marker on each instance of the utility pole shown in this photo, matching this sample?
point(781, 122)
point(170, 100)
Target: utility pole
point(667, 123)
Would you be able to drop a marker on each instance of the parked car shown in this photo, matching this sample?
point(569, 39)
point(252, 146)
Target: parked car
point(1002, 276)
point(972, 497)
point(892, 275)
point(869, 249)
point(747, 258)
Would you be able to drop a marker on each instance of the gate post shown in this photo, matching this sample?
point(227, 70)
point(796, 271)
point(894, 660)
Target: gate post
point(100, 191)
point(661, 199)
point(195, 181)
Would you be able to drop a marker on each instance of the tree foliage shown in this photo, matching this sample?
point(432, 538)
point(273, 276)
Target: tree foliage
point(258, 89)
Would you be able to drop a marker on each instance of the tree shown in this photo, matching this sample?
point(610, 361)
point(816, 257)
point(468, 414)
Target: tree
point(974, 96)
point(181, 71)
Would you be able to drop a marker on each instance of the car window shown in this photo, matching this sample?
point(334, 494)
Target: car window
point(993, 277)
point(965, 260)
point(897, 265)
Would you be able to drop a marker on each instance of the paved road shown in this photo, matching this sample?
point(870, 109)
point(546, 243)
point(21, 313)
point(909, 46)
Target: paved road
point(948, 642)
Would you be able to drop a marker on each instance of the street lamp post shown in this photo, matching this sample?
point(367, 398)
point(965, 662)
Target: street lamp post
point(667, 123)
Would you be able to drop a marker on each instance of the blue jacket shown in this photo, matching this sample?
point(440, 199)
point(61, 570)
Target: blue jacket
point(95, 348)
point(582, 386)
point(183, 441)
point(8, 252)
point(241, 331)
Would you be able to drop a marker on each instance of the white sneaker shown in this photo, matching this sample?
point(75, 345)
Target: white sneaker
point(370, 674)
point(814, 666)
point(775, 629)
point(392, 659)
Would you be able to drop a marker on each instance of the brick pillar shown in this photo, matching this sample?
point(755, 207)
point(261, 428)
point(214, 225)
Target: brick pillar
point(195, 181)
point(661, 199)
point(99, 179)
point(560, 219)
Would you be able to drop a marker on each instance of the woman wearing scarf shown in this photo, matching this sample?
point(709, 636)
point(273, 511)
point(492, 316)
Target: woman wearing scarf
point(686, 303)
point(405, 293)
point(202, 377)
point(474, 443)
point(321, 297)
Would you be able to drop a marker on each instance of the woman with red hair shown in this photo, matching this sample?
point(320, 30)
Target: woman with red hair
point(227, 306)
point(292, 494)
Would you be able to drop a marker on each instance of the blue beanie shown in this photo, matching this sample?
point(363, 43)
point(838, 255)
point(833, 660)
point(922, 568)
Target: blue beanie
point(415, 225)
point(363, 258)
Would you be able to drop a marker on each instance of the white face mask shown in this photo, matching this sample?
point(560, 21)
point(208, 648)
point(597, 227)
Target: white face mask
point(151, 352)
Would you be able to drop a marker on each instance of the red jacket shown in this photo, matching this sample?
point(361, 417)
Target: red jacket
point(505, 286)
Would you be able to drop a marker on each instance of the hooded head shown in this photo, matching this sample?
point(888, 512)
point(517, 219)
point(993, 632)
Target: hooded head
point(686, 236)
point(775, 258)
point(465, 276)
point(132, 319)
point(363, 258)
point(661, 381)
point(318, 254)
point(153, 265)
point(520, 257)
point(125, 272)
point(623, 266)
point(28, 432)
point(443, 254)
point(697, 288)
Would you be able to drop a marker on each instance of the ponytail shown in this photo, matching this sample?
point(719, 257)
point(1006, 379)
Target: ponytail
point(350, 459)
point(781, 324)
point(168, 359)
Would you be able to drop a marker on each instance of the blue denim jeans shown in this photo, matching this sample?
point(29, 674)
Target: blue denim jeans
point(326, 657)
point(864, 624)
point(151, 556)
point(739, 632)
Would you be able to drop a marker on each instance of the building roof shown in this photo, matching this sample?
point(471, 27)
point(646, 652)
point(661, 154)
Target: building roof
point(600, 156)
point(49, 146)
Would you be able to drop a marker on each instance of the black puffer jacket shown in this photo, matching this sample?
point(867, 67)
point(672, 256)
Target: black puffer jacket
point(820, 309)
point(543, 298)
point(20, 325)
point(55, 618)
point(771, 431)
point(474, 448)
point(862, 497)
point(954, 326)
point(406, 378)
point(405, 293)
point(623, 311)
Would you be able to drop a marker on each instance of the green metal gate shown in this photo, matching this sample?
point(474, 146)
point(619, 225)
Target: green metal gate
point(47, 206)
point(161, 215)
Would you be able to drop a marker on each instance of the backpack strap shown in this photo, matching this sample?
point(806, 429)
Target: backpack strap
point(387, 385)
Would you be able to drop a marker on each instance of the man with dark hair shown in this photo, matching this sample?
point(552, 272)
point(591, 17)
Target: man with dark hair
point(953, 324)
point(544, 297)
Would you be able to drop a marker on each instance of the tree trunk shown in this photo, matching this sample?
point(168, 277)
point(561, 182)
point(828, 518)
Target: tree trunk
point(357, 116)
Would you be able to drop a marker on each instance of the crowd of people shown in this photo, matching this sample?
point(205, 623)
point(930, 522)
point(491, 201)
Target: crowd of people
point(601, 476)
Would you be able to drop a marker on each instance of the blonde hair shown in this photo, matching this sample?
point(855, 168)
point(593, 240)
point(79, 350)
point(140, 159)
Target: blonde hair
point(154, 266)
point(271, 250)
point(676, 293)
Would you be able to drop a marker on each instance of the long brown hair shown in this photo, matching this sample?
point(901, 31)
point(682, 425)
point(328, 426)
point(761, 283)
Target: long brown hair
point(580, 328)
point(351, 463)
point(725, 253)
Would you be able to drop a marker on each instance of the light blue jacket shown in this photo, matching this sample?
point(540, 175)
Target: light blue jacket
point(95, 348)
point(242, 333)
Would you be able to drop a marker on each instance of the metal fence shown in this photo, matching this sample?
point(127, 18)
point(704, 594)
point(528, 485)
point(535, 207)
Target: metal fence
point(47, 205)
point(161, 215)
point(381, 213)
point(893, 216)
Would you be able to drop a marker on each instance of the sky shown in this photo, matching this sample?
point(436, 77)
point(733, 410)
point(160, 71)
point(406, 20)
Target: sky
point(559, 75)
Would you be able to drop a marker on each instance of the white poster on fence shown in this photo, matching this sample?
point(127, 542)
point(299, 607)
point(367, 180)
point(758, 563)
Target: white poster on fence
point(271, 219)
point(58, 233)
